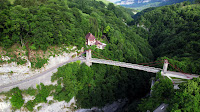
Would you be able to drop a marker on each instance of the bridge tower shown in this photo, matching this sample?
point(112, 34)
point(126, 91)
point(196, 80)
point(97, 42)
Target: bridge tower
point(88, 57)
point(165, 66)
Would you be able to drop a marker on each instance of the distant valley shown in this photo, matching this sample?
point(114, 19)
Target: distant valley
point(143, 4)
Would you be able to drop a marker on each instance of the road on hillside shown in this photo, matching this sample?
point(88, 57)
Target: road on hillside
point(32, 81)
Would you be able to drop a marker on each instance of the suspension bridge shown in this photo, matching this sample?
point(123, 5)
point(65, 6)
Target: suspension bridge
point(43, 77)
point(164, 72)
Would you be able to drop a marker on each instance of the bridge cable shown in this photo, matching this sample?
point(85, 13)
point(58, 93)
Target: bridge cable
point(155, 63)
point(102, 56)
point(150, 62)
point(81, 52)
point(139, 64)
point(97, 56)
point(180, 71)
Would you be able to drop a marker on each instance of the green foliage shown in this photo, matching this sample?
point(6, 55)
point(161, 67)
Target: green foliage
point(197, 1)
point(69, 80)
point(38, 108)
point(184, 99)
point(39, 62)
point(4, 4)
point(49, 24)
point(41, 93)
point(29, 105)
point(107, 29)
point(16, 99)
point(187, 98)
point(158, 75)
point(33, 47)
point(21, 61)
point(162, 92)
point(186, 65)
point(98, 85)
point(44, 23)
point(173, 33)
point(30, 91)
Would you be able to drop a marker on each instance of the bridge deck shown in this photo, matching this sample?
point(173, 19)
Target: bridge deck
point(144, 68)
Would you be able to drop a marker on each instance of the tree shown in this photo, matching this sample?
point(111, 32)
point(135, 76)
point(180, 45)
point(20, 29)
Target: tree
point(187, 98)
point(4, 4)
point(16, 100)
point(20, 24)
point(197, 1)
point(162, 92)
point(111, 6)
point(29, 105)
point(43, 93)
point(106, 29)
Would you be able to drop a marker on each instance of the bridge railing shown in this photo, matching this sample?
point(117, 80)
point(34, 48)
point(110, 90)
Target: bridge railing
point(127, 65)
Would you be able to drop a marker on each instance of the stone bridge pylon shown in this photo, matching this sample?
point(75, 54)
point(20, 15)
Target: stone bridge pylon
point(88, 57)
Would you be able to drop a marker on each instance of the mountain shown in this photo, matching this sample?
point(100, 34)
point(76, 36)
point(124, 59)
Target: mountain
point(168, 32)
point(172, 31)
point(142, 4)
point(41, 24)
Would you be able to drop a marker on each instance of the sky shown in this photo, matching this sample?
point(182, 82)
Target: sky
point(113, 0)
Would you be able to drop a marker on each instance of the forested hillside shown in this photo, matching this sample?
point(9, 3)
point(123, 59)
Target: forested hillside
point(173, 31)
point(43, 23)
point(169, 32)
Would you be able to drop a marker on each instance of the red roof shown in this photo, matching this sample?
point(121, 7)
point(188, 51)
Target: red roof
point(90, 36)
point(97, 42)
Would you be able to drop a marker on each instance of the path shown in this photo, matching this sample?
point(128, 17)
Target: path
point(44, 77)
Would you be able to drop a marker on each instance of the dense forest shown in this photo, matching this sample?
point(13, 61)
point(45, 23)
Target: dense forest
point(43, 23)
point(184, 99)
point(173, 31)
point(168, 32)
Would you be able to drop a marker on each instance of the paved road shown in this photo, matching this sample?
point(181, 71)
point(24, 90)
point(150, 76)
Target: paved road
point(44, 77)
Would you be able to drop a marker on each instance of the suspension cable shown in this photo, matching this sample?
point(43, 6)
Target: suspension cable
point(152, 64)
point(180, 71)
point(102, 56)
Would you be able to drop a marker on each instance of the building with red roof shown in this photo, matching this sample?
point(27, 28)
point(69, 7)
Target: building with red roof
point(91, 40)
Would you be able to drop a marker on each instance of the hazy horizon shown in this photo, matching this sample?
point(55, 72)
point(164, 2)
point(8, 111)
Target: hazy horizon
point(113, 1)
